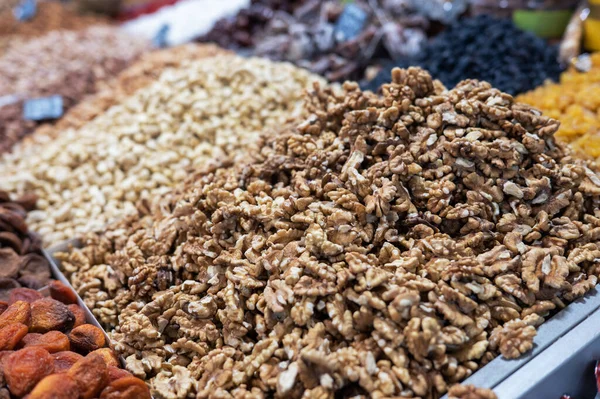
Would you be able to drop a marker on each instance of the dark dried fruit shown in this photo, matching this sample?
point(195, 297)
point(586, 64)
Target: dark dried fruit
point(79, 314)
point(63, 361)
point(56, 386)
point(37, 267)
point(8, 239)
point(52, 341)
point(32, 281)
point(126, 388)
point(10, 262)
point(49, 314)
point(114, 373)
point(3, 306)
point(109, 356)
point(11, 335)
point(62, 293)
point(18, 312)
point(91, 375)
point(25, 295)
point(24, 368)
point(87, 338)
point(13, 219)
point(6, 286)
point(27, 201)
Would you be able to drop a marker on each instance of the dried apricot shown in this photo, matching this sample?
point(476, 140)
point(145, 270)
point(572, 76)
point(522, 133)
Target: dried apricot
point(79, 314)
point(24, 294)
point(63, 361)
point(109, 356)
point(62, 293)
point(52, 341)
point(55, 386)
point(126, 388)
point(91, 375)
point(114, 373)
point(86, 338)
point(48, 314)
point(3, 306)
point(11, 335)
point(24, 368)
point(18, 312)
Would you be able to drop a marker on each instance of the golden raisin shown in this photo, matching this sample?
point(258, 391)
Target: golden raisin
point(18, 312)
point(63, 361)
point(91, 375)
point(109, 356)
point(86, 338)
point(11, 335)
point(48, 314)
point(126, 388)
point(114, 373)
point(24, 368)
point(79, 314)
point(52, 341)
point(24, 294)
point(55, 386)
point(62, 293)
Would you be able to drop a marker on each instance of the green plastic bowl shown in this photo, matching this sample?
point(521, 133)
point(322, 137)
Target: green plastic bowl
point(544, 23)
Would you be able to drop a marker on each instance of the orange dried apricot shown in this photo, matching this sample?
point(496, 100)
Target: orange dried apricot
point(126, 388)
point(52, 341)
point(11, 335)
point(86, 338)
point(114, 373)
point(18, 312)
point(63, 361)
point(55, 386)
point(91, 375)
point(79, 314)
point(24, 294)
point(109, 356)
point(24, 368)
point(62, 293)
point(48, 314)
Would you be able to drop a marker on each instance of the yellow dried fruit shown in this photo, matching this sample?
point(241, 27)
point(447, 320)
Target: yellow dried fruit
point(52, 341)
point(24, 368)
point(126, 388)
point(63, 361)
point(11, 335)
point(55, 386)
point(79, 314)
point(87, 338)
point(109, 356)
point(62, 293)
point(18, 312)
point(91, 375)
point(49, 314)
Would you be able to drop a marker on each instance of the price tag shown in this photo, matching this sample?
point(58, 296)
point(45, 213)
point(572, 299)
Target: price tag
point(25, 11)
point(39, 109)
point(350, 23)
point(160, 39)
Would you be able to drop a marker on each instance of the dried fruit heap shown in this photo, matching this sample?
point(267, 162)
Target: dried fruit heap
point(385, 246)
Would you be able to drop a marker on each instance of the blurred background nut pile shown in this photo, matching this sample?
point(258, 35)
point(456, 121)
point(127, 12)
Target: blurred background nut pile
point(575, 101)
point(193, 117)
point(47, 350)
point(381, 246)
point(74, 63)
point(21, 262)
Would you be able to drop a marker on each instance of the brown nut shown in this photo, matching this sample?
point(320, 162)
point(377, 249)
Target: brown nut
point(109, 356)
point(24, 294)
point(86, 338)
point(63, 361)
point(126, 388)
point(11, 335)
point(79, 314)
point(114, 373)
point(3, 306)
point(62, 293)
point(24, 368)
point(52, 341)
point(55, 386)
point(18, 312)
point(48, 314)
point(91, 375)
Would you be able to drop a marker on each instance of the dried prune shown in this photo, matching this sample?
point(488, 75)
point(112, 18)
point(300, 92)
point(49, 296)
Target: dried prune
point(11, 335)
point(24, 294)
point(114, 373)
point(55, 386)
point(52, 341)
point(24, 368)
point(3, 306)
point(18, 312)
point(63, 361)
point(35, 266)
point(109, 356)
point(49, 314)
point(79, 314)
point(91, 375)
point(6, 286)
point(126, 388)
point(86, 338)
point(62, 293)
point(11, 240)
point(10, 262)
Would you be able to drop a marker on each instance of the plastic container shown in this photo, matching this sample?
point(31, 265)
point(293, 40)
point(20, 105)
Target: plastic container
point(592, 27)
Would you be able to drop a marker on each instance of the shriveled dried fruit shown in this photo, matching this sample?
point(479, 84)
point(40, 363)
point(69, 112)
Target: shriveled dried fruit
point(35, 271)
point(55, 386)
point(10, 262)
point(6, 286)
point(52, 341)
point(79, 314)
point(3, 306)
point(11, 335)
point(18, 312)
point(91, 375)
point(25, 295)
point(24, 368)
point(86, 338)
point(63, 361)
point(62, 293)
point(126, 388)
point(48, 314)
point(114, 373)
point(109, 356)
